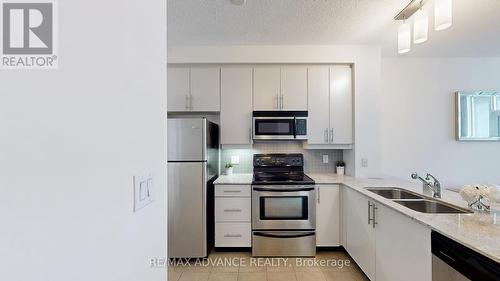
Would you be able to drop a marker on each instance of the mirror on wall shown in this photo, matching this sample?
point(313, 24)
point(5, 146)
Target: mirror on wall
point(478, 116)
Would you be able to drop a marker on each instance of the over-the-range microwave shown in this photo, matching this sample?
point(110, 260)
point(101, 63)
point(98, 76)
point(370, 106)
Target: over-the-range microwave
point(280, 125)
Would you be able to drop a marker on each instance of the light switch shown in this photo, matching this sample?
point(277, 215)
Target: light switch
point(142, 190)
point(235, 159)
point(325, 159)
point(364, 162)
point(143, 187)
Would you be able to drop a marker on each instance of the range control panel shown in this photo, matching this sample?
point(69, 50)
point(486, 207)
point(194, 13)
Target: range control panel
point(278, 160)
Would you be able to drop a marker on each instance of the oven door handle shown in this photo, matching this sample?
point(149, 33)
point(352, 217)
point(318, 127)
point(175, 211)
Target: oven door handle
point(272, 235)
point(283, 190)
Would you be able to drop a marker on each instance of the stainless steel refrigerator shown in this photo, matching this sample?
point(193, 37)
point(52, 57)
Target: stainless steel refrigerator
point(193, 164)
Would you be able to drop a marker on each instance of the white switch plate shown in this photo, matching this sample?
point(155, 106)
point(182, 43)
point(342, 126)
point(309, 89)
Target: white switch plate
point(235, 159)
point(325, 159)
point(364, 162)
point(143, 191)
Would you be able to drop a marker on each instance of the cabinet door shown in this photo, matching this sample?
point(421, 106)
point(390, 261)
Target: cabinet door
point(178, 88)
point(403, 247)
point(236, 105)
point(294, 88)
point(341, 104)
point(328, 216)
point(205, 90)
point(267, 87)
point(318, 105)
point(360, 234)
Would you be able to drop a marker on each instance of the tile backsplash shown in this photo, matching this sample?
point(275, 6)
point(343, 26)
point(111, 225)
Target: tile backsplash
point(313, 159)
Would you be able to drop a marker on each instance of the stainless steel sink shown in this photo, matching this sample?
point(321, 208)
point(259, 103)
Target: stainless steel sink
point(417, 202)
point(395, 193)
point(432, 207)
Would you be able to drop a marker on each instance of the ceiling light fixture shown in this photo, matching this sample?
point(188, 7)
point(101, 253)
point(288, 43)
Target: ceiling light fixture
point(404, 38)
point(442, 20)
point(443, 12)
point(420, 27)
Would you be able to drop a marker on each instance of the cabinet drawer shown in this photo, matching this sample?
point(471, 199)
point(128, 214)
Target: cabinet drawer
point(226, 190)
point(233, 235)
point(233, 210)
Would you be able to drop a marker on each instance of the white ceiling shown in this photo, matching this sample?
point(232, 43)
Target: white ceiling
point(475, 30)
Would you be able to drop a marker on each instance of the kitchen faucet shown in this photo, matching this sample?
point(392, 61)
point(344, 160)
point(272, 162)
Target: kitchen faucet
point(429, 183)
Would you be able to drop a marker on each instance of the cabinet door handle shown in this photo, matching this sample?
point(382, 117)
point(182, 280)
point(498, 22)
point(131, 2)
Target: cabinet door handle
point(232, 210)
point(232, 235)
point(250, 135)
point(373, 215)
point(282, 99)
point(326, 136)
point(319, 194)
point(369, 213)
point(331, 135)
point(277, 101)
point(187, 101)
point(232, 191)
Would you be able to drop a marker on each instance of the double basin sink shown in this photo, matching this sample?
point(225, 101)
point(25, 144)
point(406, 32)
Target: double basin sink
point(417, 202)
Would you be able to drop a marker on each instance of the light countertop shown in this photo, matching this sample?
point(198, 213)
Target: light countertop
point(235, 179)
point(480, 232)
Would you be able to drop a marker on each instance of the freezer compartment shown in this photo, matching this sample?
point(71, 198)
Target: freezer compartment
point(187, 139)
point(283, 243)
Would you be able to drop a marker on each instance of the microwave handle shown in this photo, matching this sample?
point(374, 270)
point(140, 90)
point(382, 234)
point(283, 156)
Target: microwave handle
point(294, 127)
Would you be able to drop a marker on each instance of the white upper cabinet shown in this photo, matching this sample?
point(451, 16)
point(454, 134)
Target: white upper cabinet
point(319, 105)
point(280, 87)
point(236, 105)
point(195, 88)
point(328, 215)
point(267, 87)
point(205, 88)
point(178, 88)
point(341, 104)
point(293, 88)
point(330, 106)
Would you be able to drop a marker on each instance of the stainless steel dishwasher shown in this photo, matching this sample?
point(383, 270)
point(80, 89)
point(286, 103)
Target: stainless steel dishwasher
point(454, 261)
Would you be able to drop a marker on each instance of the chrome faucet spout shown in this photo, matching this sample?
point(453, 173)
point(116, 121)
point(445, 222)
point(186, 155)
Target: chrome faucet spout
point(430, 182)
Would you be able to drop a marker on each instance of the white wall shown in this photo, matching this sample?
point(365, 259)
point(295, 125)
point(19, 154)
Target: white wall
point(71, 140)
point(366, 60)
point(418, 119)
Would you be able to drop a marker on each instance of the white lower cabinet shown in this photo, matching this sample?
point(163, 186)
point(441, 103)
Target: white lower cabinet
point(360, 234)
point(327, 216)
point(233, 227)
point(403, 247)
point(386, 245)
point(233, 234)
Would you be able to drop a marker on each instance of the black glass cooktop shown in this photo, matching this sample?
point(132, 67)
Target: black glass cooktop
point(281, 178)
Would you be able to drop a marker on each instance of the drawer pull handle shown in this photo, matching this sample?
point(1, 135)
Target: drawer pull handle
point(232, 191)
point(232, 235)
point(232, 210)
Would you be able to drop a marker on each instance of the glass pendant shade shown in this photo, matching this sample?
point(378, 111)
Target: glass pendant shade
point(404, 38)
point(420, 27)
point(442, 14)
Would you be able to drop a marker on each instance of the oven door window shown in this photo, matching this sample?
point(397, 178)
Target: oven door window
point(283, 208)
point(274, 127)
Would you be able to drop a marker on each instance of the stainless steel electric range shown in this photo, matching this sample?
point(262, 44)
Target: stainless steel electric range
point(283, 207)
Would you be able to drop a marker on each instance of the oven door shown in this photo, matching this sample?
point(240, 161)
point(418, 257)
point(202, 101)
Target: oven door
point(283, 207)
point(268, 128)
